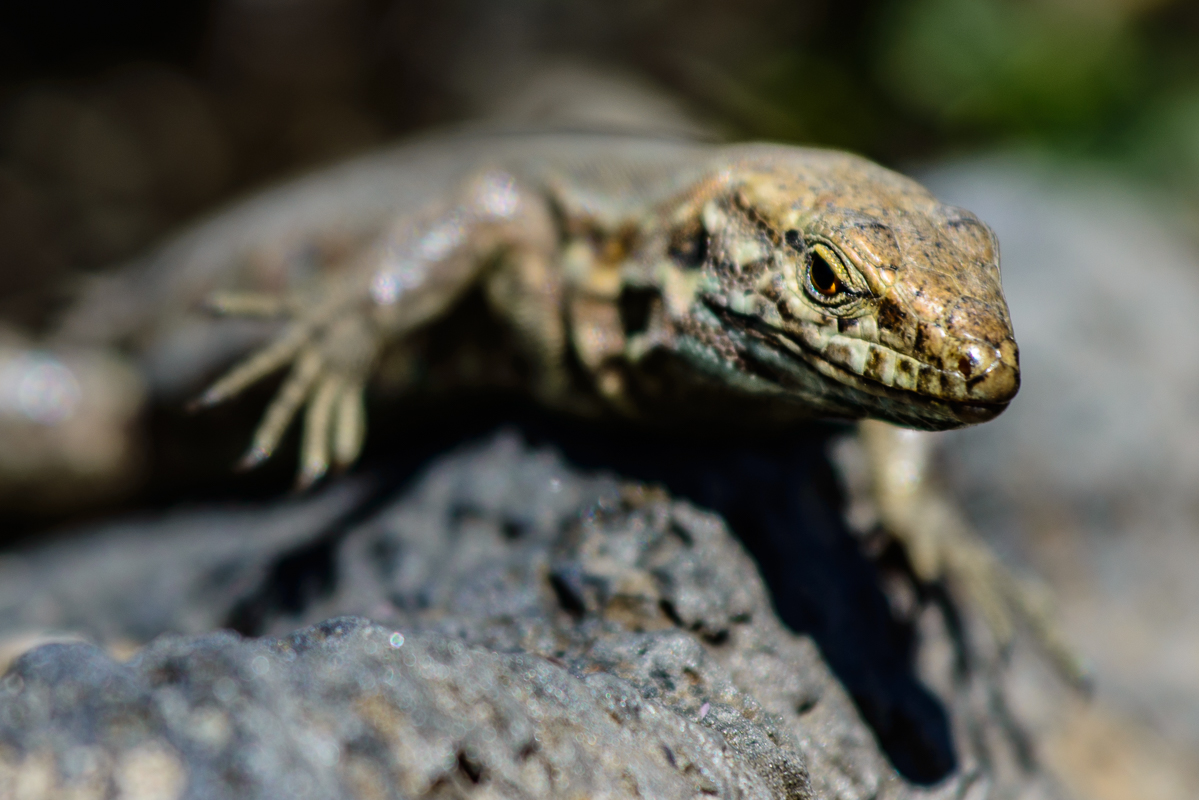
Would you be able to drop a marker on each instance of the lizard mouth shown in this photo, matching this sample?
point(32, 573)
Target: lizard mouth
point(888, 384)
point(937, 412)
point(902, 389)
point(978, 392)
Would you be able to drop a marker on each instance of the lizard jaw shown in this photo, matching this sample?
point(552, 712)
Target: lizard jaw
point(932, 412)
point(938, 399)
point(889, 385)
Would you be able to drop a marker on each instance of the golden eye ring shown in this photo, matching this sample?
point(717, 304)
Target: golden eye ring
point(822, 275)
point(826, 280)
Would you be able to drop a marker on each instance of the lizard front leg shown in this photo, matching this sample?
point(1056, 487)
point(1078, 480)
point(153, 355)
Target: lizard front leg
point(941, 545)
point(412, 273)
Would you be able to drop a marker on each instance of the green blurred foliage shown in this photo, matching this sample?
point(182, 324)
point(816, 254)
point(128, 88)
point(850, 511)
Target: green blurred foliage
point(1009, 66)
point(1110, 80)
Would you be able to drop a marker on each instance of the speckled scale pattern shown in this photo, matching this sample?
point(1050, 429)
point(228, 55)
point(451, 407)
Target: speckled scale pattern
point(923, 337)
point(920, 337)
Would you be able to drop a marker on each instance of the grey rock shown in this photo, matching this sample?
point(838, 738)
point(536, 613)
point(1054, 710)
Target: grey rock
point(350, 709)
point(519, 630)
point(136, 578)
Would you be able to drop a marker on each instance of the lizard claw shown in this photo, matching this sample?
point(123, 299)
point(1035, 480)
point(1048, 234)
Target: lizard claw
point(334, 429)
point(254, 368)
point(314, 452)
point(249, 304)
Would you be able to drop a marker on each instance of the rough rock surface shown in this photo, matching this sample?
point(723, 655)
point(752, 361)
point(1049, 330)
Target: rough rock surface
point(537, 633)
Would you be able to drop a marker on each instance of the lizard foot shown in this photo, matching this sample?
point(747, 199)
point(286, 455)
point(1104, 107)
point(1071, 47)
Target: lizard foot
point(417, 268)
point(330, 350)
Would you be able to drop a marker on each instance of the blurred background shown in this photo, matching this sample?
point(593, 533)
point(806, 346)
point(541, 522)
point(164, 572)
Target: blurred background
point(120, 118)
point(1071, 126)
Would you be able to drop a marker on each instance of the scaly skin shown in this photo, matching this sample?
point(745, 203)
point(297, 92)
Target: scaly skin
point(840, 285)
point(678, 283)
point(745, 284)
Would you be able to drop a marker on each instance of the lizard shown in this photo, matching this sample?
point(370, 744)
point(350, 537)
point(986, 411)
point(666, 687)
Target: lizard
point(797, 282)
point(662, 279)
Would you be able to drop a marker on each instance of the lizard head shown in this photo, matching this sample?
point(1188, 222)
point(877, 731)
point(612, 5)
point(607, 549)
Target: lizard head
point(852, 286)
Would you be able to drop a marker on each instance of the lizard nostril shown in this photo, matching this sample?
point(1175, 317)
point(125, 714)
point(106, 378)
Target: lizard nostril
point(972, 359)
point(965, 366)
point(999, 379)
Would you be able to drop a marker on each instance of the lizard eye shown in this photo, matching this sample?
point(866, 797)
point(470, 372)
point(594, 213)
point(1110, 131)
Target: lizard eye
point(824, 273)
point(823, 277)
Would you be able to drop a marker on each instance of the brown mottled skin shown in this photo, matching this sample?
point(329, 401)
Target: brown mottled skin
point(679, 283)
point(842, 286)
point(658, 278)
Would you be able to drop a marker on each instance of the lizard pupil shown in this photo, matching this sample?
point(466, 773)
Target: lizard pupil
point(823, 277)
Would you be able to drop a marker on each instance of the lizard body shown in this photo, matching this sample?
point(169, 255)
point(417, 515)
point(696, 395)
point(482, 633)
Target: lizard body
point(657, 278)
point(676, 282)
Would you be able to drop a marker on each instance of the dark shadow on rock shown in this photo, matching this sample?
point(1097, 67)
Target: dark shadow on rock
point(780, 497)
point(782, 500)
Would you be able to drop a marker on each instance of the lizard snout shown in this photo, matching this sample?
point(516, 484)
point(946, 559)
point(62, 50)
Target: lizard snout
point(992, 373)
